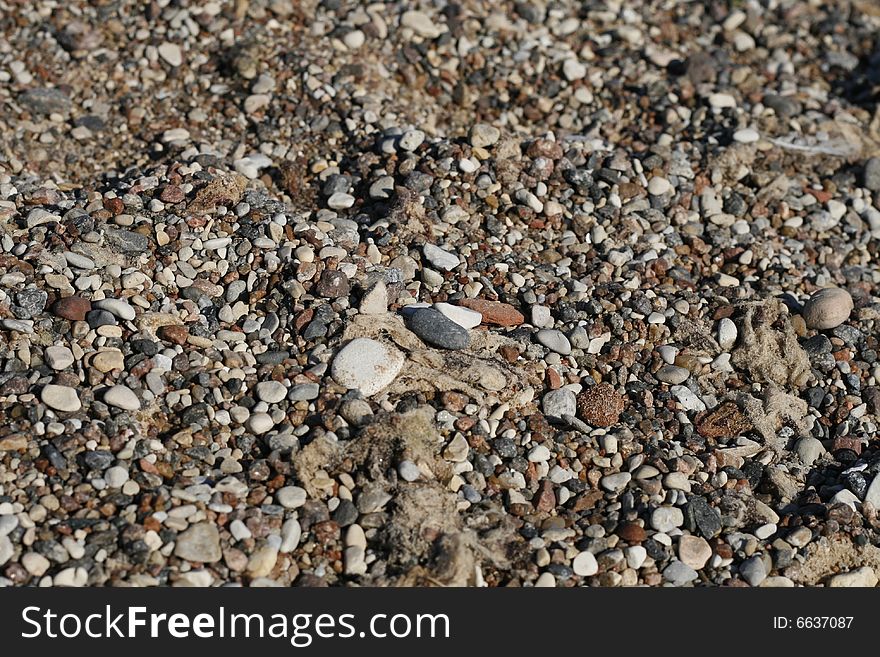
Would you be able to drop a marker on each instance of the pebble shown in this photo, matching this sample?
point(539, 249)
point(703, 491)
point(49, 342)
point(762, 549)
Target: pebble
point(73, 308)
point(291, 497)
point(659, 186)
point(420, 23)
point(827, 308)
point(573, 70)
point(688, 400)
point(7, 550)
point(171, 53)
point(545, 580)
point(259, 423)
point(291, 534)
point(434, 328)
point(116, 476)
point(554, 340)
point(367, 365)
point(483, 135)
point(672, 374)
point(559, 403)
point(809, 450)
point(585, 564)
point(116, 307)
point(411, 140)
point(871, 175)
point(408, 471)
point(58, 357)
point(440, 258)
point(666, 518)
point(71, 577)
point(753, 570)
point(375, 300)
point(271, 392)
point(495, 312)
point(746, 136)
point(464, 317)
point(340, 201)
point(668, 354)
point(262, 561)
point(616, 482)
point(108, 360)
point(727, 333)
point(679, 574)
point(872, 495)
point(199, 543)
point(863, 577)
point(722, 100)
point(61, 398)
point(693, 551)
point(122, 397)
point(36, 564)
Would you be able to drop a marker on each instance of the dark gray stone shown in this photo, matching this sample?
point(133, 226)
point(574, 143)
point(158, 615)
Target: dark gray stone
point(127, 241)
point(702, 518)
point(98, 459)
point(436, 329)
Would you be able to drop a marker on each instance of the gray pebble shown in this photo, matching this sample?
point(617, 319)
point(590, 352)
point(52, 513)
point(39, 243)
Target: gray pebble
point(436, 329)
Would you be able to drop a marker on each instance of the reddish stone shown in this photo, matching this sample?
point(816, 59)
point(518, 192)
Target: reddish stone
point(72, 308)
point(146, 466)
point(465, 423)
point(819, 194)
point(495, 312)
point(601, 405)
point(554, 381)
point(454, 401)
point(552, 150)
point(632, 533)
point(114, 205)
point(509, 353)
point(303, 318)
point(847, 442)
point(172, 194)
point(545, 499)
point(586, 501)
point(326, 532)
point(174, 334)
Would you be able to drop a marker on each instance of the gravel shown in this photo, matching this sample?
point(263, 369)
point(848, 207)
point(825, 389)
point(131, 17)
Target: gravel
point(285, 284)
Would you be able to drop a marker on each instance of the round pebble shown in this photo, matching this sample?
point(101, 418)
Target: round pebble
point(60, 398)
point(827, 308)
point(367, 365)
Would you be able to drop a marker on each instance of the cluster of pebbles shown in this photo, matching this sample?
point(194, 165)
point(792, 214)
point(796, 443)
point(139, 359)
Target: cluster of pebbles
point(455, 293)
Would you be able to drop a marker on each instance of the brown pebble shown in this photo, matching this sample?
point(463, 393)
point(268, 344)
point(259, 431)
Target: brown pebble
point(600, 405)
point(495, 312)
point(847, 442)
point(333, 284)
point(509, 353)
point(545, 499)
point(632, 533)
point(72, 308)
point(172, 194)
point(174, 334)
point(454, 401)
point(114, 206)
point(726, 421)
